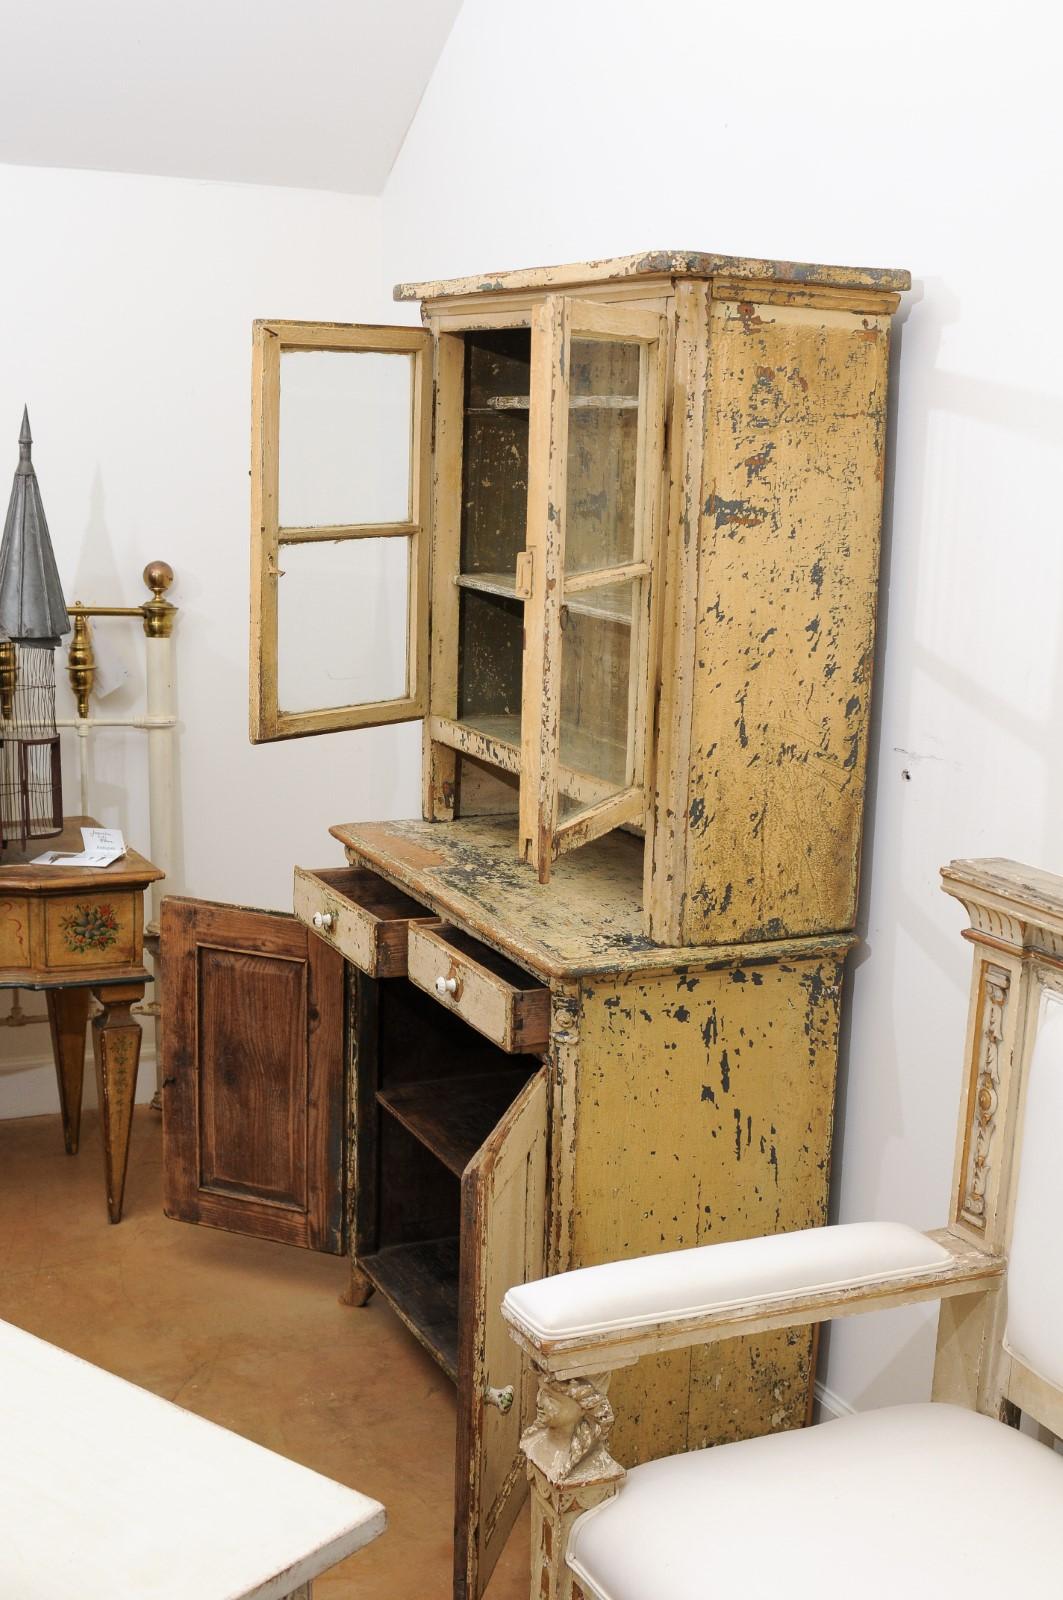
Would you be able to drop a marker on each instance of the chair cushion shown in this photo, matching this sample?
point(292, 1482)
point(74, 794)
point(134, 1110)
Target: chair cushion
point(910, 1501)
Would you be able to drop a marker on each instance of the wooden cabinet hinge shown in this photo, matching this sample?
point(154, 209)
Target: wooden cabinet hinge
point(523, 582)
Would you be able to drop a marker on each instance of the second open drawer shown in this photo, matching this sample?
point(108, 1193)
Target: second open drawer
point(494, 995)
point(364, 916)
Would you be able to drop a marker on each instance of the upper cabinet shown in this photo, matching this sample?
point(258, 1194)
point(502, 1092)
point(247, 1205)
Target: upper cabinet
point(340, 483)
point(548, 489)
point(612, 530)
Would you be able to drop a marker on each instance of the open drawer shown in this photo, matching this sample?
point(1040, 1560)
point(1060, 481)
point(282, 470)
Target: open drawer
point(364, 916)
point(494, 995)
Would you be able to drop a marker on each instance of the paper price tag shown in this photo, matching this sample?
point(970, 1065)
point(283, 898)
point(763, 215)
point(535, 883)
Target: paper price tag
point(102, 846)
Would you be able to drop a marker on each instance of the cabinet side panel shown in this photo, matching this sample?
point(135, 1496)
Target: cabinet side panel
point(705, 1110)
point(791, 512)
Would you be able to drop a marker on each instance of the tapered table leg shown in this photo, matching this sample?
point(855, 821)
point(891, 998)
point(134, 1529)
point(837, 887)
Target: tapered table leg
point(68, 1015)
point(116, 1051)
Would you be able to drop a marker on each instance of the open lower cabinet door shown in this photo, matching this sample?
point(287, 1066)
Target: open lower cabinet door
point(252, 1074)
point(503, 1242)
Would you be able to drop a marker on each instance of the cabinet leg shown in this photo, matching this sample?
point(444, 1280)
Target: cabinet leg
point(116, 1051)
point(359, 1289)
point(68, 1015)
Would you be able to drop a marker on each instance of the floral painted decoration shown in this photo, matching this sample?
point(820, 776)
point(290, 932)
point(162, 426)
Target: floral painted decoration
point(90, 927)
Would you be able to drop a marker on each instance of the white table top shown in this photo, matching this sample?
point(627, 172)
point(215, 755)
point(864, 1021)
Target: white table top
point(109, 1493)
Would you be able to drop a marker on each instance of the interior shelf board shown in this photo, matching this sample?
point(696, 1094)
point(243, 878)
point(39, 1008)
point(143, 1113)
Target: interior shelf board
point(517, 404)
point(591, 759)
point(605, 610)
point(420, 1283)
point(452, 1117)
point(503, 583)
point(576, 402)
point(587, 603)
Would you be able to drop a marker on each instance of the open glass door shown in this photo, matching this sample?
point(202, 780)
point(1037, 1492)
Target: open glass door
point(341, 421)
point(595, 451)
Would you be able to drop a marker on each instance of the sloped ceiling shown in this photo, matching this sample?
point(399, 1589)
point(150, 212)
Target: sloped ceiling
point(310, 93)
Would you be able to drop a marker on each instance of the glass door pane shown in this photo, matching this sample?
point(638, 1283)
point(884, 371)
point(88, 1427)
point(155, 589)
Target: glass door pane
point(595, 741)
point(339, 527)
point(344, 437)
point(603, 429)
point(340, 636)
point(597, 371)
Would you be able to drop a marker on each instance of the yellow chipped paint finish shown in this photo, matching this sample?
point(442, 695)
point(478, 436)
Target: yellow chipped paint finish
point(695, 981)
point(787, 579)
point(691, 1092)
point(728, 1136)
point(653, 264)
point(752, 671)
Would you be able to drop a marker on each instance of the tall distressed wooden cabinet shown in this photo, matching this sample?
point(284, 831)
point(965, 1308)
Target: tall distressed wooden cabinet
point(612, 531)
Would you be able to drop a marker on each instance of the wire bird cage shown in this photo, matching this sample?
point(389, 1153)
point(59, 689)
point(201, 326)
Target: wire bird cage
point(33, 617)
point(31, 785)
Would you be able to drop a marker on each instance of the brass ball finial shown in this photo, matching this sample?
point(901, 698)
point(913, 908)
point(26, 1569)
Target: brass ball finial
point(158, 575)
point(158, 613)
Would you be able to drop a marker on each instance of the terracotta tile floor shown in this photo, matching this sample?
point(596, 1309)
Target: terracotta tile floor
point(247, 1333)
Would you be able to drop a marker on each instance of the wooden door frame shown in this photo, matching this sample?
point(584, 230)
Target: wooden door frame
point(270, 340)
point(554, 324)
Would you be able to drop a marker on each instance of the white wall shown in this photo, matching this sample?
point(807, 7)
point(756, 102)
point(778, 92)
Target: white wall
point(925, 137)
point(125, 322)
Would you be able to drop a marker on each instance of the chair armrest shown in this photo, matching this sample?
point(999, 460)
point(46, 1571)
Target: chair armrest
point(597, 1318)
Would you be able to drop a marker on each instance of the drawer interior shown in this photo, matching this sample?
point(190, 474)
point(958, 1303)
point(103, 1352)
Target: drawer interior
point(498, 965)
point(371, 893)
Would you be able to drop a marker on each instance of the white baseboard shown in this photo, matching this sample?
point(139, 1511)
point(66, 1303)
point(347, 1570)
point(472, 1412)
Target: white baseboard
point(830, 1405)
point(29, 1090)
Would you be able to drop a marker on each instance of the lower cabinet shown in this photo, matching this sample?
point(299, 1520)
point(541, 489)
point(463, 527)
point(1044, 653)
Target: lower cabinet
point(374, 1077)
point(307, 1102)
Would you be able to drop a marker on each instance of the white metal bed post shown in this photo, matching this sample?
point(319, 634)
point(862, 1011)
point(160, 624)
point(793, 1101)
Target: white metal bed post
point(160, 722)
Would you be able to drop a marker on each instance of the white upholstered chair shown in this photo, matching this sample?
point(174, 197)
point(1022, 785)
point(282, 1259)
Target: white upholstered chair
point(940, 1499)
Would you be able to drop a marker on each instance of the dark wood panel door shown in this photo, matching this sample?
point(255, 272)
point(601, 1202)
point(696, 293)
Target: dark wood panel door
point(252, 1074)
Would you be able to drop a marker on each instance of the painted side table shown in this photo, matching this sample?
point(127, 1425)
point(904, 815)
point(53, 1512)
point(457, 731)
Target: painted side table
point(76, 932)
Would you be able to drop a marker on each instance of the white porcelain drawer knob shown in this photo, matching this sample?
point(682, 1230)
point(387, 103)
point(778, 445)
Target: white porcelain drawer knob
point(446, 985)
point(502, 1398)
point(323, 920)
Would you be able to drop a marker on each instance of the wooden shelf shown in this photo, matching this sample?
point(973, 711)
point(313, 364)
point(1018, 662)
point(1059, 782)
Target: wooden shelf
point(599, 603)
point(453, 1116)
point(576, 402)
point(579, 779)
point(420, 1283)
point(503, 583)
